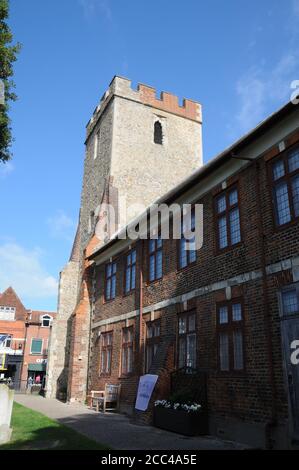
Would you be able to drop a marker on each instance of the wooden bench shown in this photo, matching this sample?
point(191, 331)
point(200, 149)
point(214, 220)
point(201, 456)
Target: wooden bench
point(107, 400)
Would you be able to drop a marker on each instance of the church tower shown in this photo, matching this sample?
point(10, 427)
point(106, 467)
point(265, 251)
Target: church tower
point(138, 147)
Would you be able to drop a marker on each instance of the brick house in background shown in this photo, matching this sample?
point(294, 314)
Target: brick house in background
point(12, 334)
point(230, 309)
point(38, 330)
point(24, 339)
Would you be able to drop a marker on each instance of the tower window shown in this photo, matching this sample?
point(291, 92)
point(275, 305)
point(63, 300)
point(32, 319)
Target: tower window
point(158, 134)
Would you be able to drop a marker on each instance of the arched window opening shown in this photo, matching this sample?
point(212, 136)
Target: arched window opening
point(158, 134)
point(46, 320)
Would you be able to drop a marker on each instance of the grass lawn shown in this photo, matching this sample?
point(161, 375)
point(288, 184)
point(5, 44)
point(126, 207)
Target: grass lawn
point(32, 430)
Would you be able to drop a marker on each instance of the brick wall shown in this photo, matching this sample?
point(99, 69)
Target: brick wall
point(259, 394)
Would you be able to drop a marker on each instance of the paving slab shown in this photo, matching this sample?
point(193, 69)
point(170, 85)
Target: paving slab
point(118, 431)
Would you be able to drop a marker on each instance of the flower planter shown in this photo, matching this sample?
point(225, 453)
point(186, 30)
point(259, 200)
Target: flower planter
point(182, 422)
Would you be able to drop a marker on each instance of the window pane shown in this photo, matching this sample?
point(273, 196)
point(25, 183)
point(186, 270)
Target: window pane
point(159, 265)
point(238, 350)
point(124, 360)
point(152, 268)
point(235, 233)
point(221, 204)
point(290, 301)
point(223, 351)
point(133, 277)
point(237, 312)
point(191, 351)
point(183, 253)
point(108, 365)
point(130, 335)
point(223, 315)
point(182, 352)
point(156, 329)
point(133, 256)
point(295, 193)
point(108, 270)
point(191, 325)
point(182, 325)
point(149, 331)
point(108, 289)
point(114, 268)
point(129, 259)
point(128, 279)
point(278, 169)
point(159, 242)
point(113, 287)
point(152, 244)
point(233, 197)
point(294, 160)
point(282, 203)
point(36, 346)
point(222, 232)
point(103, 361)
point(130, 359)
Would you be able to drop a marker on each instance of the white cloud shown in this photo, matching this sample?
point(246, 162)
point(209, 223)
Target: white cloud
point(6, 169)
point(61, 226)
point(22, 269)
point(262, 89)
point(93, 7)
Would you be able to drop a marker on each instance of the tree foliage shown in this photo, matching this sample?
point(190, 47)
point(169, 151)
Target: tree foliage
point(8, 55)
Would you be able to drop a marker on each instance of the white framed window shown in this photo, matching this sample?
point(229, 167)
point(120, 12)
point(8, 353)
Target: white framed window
point(5, 340)
point(36, 346)
point(46, 321)
point(7, 313)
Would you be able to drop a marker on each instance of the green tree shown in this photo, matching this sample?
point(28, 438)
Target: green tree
point(8, 55)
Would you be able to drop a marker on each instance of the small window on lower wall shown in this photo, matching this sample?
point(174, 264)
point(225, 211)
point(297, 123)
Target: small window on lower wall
point(187, 341)
point(152, 341)
point(106, 353)
point(230, 336)
point(127, 351)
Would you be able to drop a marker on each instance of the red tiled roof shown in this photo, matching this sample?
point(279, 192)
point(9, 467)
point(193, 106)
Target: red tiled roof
point(34, 315)
point(9, 298)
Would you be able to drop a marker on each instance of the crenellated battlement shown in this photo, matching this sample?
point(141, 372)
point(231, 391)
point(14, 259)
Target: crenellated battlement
point(147, 95)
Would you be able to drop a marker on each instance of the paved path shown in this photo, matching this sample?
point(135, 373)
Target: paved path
point(116, 430)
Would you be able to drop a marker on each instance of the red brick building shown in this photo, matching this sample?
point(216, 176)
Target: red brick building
point(229, 310)
point(24, 340)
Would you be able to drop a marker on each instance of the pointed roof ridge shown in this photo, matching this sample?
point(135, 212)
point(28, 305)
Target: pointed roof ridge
point(10, 290)
point(10, 298)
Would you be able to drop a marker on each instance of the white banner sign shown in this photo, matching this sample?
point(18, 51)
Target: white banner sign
point(145, 389)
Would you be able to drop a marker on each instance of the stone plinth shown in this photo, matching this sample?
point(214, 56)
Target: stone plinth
point(6, 402)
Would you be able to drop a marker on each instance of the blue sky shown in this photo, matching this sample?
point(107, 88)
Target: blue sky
point(237, 58)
